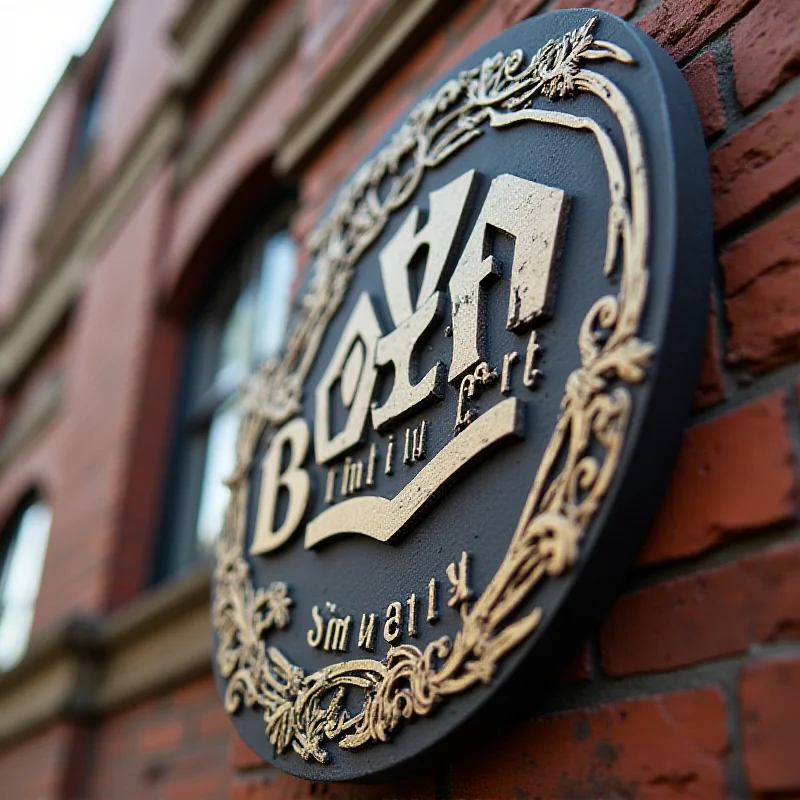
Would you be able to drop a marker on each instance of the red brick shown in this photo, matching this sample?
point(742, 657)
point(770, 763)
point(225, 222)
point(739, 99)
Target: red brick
point(716, 613)
point(215, 723)
point(769, 694)
point(734, 475)
point(517, 10)
point(242, 757)
point(417, 786)
point(275, 786)
point(199, 693)
point(622, 8)
point(762, 287)
point(766, 50)
point(472, 27)
point(701, 75)
point(757, 165)
point(660, 747)
point(711, 387)
point(36, 767)
point(192, 787)
point(682, 27)
point(162, 736)
point(329, 43)
point(579, 670)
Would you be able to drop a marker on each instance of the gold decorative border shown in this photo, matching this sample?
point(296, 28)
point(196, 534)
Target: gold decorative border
point(307, 711)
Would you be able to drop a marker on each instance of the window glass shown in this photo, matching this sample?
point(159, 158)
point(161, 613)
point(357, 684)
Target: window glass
point(219, 465)
point(278, 268)
point(237, 336)
point(88, 130)
point(243, 323)
point(20, 576)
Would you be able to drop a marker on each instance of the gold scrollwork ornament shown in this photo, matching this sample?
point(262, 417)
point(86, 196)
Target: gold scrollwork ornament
point(307, 711)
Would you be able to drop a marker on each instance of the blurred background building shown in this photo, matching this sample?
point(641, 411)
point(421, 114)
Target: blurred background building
point(151, 230)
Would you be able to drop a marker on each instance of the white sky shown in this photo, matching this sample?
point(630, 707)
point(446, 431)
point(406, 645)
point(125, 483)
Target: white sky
point(37, 39)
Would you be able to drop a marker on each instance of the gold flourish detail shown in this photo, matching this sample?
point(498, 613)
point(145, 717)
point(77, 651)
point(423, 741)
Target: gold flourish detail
point(307, 711)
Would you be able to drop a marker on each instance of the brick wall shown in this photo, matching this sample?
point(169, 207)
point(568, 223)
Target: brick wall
point(690, 688)
point(175, 747)
point(41, 767)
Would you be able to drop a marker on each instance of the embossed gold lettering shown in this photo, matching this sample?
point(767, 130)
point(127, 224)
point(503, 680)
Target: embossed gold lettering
point(373, 458)
point(531, 374)
point(470, 384)
point(414, 317)
point(509, 359)
point(330, 483)
point(412, 614)
point(314, 637)
point(337, 634)
point(353, 367)
point(382, 519)
point(533, 215)
point(294, 479)
point(458, 575)
point(389, 467)
point(433, 610)
point(366, 634)
point(394, 622)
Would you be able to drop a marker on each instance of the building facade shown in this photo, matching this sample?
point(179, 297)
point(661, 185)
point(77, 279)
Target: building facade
point(152, 231)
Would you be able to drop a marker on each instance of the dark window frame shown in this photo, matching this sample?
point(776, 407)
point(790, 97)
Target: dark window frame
point(9, 536)
point(202, 397)
point(86, 127)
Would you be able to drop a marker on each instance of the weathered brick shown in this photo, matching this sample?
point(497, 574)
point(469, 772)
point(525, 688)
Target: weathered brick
point(622, 8)
point(710, 387)
point(35, 767)
point(162, 736)
point(418, 785)
point(199, 785)
point(701, 75)
point(339, 27)
point(159, 748)
point(769, 694)
point(517, 10)
point(215, 723)
point(766, 50)
point(578, 670)
point(275, 786)
point(272, 786)
point(475, 24)
point(734, 474)
point(659, 747)
point(762, 288)
point(242, 757)
point(699, 617)
point(682, 27)
point(199, 693)
point(757, 165)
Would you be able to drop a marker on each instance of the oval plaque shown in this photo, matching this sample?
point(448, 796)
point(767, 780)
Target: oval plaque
point(442, 482)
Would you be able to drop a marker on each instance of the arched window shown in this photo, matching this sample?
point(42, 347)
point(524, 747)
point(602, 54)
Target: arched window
point(87, 123)
point(242, 322)
point(22, 549)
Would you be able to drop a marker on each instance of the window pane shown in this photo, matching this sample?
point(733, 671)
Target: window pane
point(220, 463)
point(278, 266)
point(236, 340)
point(20, 580)
point(242, 323)
point(14, 632)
